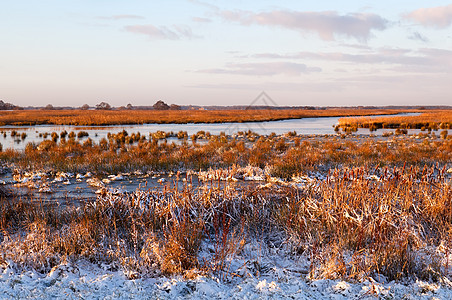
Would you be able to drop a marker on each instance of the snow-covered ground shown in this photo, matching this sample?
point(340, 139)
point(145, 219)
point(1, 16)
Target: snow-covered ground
point(89, 281)
point(255, 273)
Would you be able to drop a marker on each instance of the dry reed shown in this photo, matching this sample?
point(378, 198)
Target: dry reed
point(395, 223)
point(120, 117)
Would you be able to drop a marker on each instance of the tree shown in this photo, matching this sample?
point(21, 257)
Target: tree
point(129, 106)
point(84, 107)
point(160, 105)
point(8, 106)
point(103, 106)
point(49, 107)
point(174, 107)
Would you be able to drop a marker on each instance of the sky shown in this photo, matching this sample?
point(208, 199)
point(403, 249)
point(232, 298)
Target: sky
point(301, 53)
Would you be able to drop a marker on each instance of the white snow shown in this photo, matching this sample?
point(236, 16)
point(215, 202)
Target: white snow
point(95, 182)
point(89, 281)
point(254, 178)
point(250, 274)
point(116, 177)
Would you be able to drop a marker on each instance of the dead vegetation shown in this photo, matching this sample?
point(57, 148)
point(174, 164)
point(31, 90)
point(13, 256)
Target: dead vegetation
point(121, 117)
point(426, 121)
point(377, 207)
point(280, 156)
point(394, 223)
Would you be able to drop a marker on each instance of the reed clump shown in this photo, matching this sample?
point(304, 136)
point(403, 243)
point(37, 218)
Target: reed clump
point(431, 120)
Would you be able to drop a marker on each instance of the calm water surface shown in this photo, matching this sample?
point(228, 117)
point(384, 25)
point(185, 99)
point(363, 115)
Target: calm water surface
point(78, 190)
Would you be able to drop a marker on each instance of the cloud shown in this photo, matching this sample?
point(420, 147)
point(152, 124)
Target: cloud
point(205, 4)
point(318, 87)
point(354, 46)
point(384, 88)
point(426, 57)
point(264, 69)
point(201, 20)
point(121, 17)
point(419, 37)
point(163, 32)
point(384, 56)
point(439, 17)
point(426, 60)
point(328, 24)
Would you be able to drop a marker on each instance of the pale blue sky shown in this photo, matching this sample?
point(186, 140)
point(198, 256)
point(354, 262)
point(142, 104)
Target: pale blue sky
point(67, 52)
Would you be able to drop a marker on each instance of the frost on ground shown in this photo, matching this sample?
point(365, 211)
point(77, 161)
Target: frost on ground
point(276, 240)
point(91, 282)
point(281, 278)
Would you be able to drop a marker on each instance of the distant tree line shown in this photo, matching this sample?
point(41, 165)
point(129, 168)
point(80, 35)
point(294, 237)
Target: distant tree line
point(8, 106)
point(159, 105)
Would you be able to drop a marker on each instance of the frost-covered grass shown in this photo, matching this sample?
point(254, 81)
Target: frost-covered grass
point(375, 220)
point(351, 225)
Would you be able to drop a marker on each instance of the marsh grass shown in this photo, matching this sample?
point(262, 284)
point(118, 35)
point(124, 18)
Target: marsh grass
point(351, 226)
point(281, 157)
point(429, 120)
point(381, 207)
point(120, 117)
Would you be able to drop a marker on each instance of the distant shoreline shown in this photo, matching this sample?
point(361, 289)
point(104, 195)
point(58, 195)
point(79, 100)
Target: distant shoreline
point(132, 117)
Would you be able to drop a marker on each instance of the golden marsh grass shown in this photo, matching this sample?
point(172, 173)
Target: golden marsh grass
point(381, 207)
point(433, 120)
point(120, 117)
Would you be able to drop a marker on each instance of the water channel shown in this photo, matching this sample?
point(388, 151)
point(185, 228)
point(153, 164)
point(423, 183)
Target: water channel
point(72, 189)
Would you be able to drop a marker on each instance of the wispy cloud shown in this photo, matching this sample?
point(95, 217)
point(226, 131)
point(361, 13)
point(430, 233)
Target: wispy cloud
point(439, 17)
point(205, 4)
point(322, 87)
point(419, 37)
point(201, 20)
point(121, 17)
point(264, 69)
point(384, 56)
point(176, 32)
point(438, 60)
point(328, 24)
